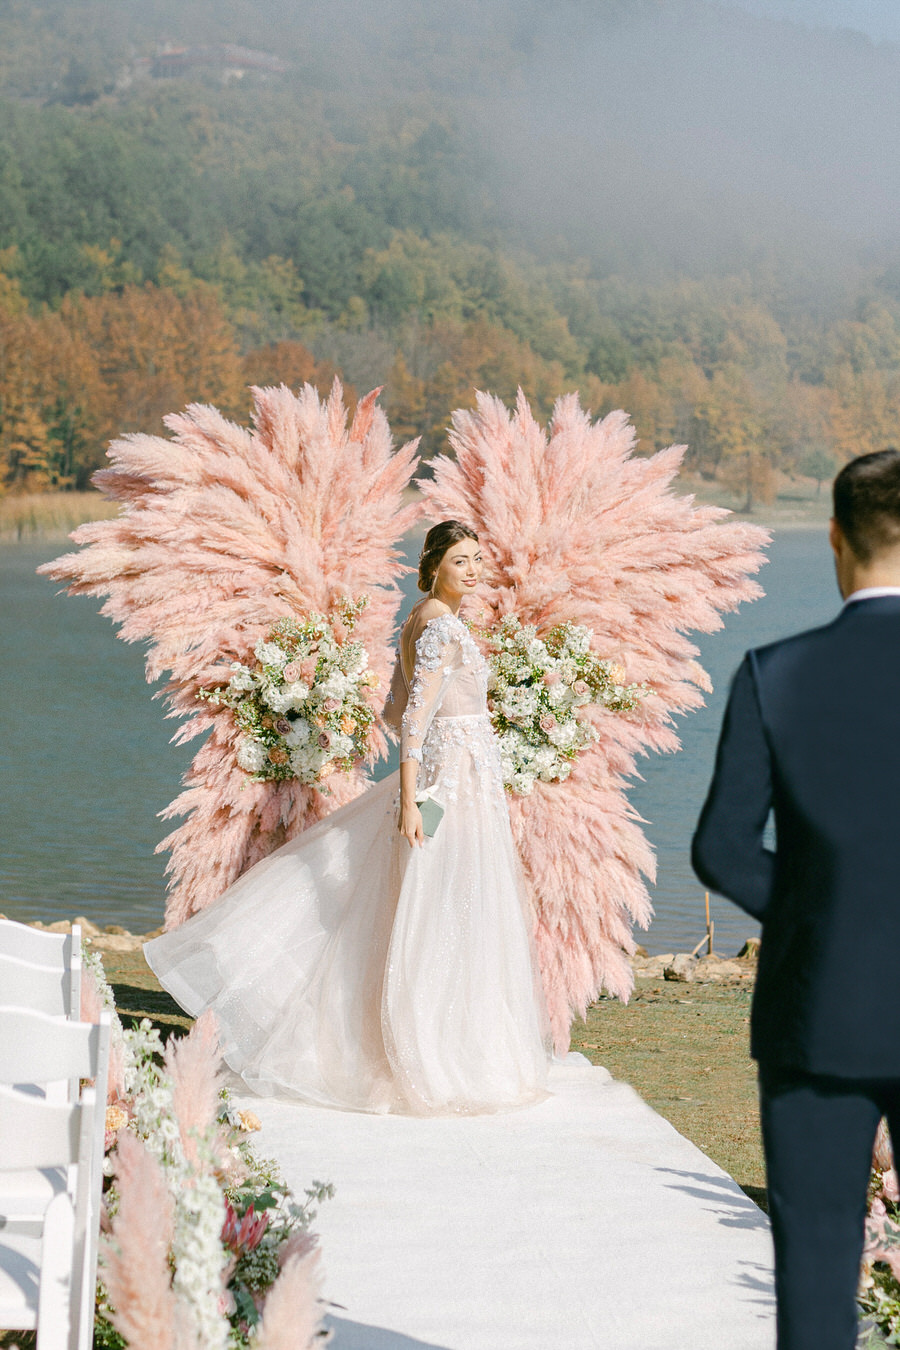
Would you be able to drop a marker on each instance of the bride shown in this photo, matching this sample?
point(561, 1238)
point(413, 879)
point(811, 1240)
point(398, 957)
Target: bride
point(366, 964)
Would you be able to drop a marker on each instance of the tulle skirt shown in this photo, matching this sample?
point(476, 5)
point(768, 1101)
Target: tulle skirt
point(351, 971)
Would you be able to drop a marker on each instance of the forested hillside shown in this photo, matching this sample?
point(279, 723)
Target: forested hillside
point(195, 197)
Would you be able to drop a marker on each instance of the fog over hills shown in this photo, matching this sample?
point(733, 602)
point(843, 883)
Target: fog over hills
point(655, 135)
point(880, 19)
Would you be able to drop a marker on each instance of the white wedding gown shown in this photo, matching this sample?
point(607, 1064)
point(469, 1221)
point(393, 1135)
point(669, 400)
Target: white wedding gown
point(352, 971)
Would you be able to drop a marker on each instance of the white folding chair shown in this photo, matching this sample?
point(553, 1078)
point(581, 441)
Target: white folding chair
point(43, 1263)
point(39, 1050)
point(51, 951)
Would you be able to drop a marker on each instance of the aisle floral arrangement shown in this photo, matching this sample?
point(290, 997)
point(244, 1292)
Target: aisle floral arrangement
point(879, 1286)
point(204, 1246)
point(304, 705)
point(540, 689)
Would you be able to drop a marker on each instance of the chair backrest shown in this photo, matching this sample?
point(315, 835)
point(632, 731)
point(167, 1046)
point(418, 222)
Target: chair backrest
point(37, 1048)
point(41, 988)
point(53, 951)
point(34, 1134)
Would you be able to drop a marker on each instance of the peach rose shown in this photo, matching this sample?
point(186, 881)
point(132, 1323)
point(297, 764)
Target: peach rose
point(277, 755)
point(115, 1118)
point(348, 724)
point(327, 769)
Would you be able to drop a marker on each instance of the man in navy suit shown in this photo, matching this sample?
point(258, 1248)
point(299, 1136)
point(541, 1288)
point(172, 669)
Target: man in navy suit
point(812, 733)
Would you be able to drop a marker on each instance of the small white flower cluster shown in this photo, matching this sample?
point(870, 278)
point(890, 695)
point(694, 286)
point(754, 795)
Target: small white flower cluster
point(537, 687)
point(304, 705)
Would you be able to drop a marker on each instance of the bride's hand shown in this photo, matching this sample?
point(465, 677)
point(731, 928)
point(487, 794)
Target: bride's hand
point(411, 824)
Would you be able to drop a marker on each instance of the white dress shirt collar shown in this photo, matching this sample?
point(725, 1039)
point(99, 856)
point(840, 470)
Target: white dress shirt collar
point(872, 593)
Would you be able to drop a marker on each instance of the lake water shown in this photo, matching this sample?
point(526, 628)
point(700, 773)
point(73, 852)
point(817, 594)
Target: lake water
point(86, 764)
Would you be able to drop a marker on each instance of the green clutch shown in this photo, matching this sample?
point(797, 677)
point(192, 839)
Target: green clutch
point(431, 813)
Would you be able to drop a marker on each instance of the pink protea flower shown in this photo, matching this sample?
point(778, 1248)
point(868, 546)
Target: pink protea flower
point(242, 1235)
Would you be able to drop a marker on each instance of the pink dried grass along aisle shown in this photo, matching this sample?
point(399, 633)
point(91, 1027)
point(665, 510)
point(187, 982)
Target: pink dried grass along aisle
point(574, 526)
point(222, 531)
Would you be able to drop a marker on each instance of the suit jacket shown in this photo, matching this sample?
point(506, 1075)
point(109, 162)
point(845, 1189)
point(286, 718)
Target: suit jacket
point(812, 732)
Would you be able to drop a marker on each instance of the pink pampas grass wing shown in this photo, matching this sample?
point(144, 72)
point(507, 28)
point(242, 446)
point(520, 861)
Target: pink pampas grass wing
point(223, 530)
point(574, 526)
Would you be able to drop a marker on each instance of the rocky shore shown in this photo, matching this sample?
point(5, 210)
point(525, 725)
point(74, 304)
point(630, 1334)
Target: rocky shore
point(681, 967)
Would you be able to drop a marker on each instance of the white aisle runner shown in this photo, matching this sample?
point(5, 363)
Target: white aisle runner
point(584, 1222)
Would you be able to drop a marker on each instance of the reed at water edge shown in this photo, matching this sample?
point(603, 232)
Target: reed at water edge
point(37, 515)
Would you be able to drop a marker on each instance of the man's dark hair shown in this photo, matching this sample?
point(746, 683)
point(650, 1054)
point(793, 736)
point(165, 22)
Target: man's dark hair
point(867, 503)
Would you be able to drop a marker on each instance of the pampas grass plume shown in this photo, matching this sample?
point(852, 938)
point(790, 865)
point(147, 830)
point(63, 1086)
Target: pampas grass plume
point(292, 1317)
point(135, 1257)
point(195, 1065)
point(573, 526)
point(223, 530)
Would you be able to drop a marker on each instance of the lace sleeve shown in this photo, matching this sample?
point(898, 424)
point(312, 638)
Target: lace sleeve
point(436, 649)
point(395, 703)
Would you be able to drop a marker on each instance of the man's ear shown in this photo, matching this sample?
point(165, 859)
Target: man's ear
point(836, 538)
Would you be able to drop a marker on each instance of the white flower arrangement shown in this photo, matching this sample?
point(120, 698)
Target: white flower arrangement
point(304, 705)
point(536, 687)
point(235, 1218)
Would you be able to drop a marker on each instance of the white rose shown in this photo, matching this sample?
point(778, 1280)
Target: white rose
point(335, 686)
point(270, 654)
point(299, 734)
point(520, 704)
point(563, 735)
point(243, 680)
point(251, 756)
point(278, 698)
point(545, 760)
point(558, 694)
point(298, 692)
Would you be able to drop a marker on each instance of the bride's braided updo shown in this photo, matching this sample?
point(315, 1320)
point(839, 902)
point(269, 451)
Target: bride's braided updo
point(438, 539)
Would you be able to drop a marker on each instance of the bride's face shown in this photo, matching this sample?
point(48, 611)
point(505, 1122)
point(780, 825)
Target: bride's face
point(459, 571)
